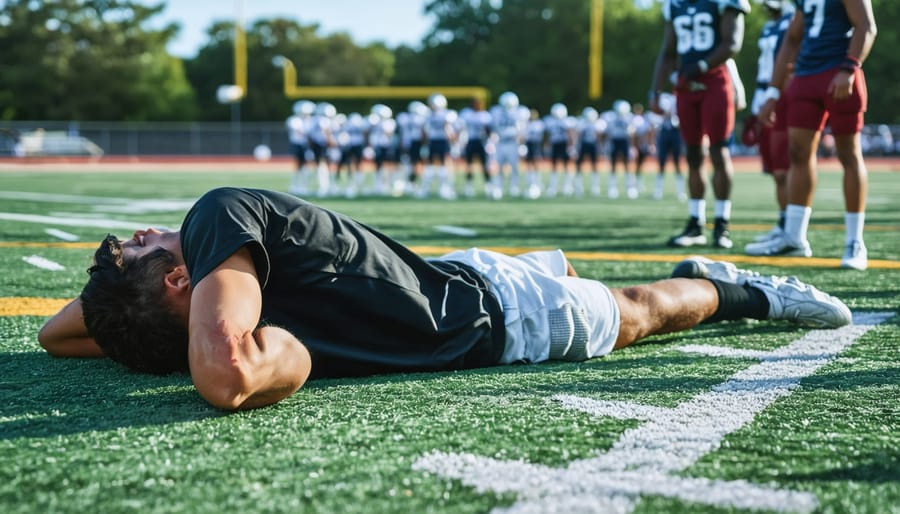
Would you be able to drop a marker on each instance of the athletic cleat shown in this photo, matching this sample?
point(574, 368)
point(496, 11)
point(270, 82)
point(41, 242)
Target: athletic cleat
point(691, 236)
point(797, 302)
point(612, 193)
point(776, 232)
point(855, 256)
point(701, 267)
point(721, 235)
point(779, 246)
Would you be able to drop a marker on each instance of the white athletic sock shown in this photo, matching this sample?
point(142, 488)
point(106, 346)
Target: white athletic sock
point(854, 223)
point(697, 209)
point(679, 185)
point(796, 222)
point(723, 209)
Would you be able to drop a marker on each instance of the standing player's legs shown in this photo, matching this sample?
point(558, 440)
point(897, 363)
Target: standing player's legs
point(717, 113)
point(846, 125)
point(806, 118)
point(691, 125)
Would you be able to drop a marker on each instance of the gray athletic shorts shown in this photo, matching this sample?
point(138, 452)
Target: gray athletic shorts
point(548, 315)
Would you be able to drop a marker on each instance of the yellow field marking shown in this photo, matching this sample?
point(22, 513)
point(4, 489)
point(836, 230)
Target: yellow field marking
point(31, 306)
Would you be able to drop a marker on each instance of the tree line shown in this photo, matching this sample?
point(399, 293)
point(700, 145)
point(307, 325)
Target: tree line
point(104, 60)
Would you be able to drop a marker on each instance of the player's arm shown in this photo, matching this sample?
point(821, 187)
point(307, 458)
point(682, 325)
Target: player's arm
point(731, 33)
point(863, 20)
point(787, 54)
point(234, 364)
point(65, 334)
point(665, 65)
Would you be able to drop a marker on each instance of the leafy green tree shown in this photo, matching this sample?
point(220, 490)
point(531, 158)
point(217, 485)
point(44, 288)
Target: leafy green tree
point(88, 60)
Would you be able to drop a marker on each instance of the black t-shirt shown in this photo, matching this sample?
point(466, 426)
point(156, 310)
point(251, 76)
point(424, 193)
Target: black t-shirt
point(360, 302)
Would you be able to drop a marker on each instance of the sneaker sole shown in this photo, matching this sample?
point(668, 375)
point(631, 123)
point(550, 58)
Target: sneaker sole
point(785, 252)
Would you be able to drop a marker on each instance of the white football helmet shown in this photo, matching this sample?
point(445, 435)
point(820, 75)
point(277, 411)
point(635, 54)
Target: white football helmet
point(326, 109)
point(559, 110)
point(622, 107)
point(418, 108)
point(509, 100)
point(590, 114)
point(437, 101)
point(304, 108)
point(382, 111)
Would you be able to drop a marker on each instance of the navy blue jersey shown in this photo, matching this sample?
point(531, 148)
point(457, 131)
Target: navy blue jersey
point(826, 36)
point(696, 25)
point(770, 40)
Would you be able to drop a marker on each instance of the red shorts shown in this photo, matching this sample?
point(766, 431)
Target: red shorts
point(773, 142)
point(708, 111)
point(812, 104)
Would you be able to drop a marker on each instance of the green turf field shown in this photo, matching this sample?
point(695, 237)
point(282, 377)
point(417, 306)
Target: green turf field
point(734, 417)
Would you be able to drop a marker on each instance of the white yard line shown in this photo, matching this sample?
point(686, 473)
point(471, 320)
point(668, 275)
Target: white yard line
point(456, 231)
point(75, 222)
point(41, 262)
point(61, 234)
point(646, 459)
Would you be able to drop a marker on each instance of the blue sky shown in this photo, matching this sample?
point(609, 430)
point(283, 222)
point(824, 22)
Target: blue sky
point(392, 21)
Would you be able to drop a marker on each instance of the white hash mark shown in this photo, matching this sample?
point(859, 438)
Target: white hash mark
point(646, 459)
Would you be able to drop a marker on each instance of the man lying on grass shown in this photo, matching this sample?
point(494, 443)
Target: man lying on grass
point(260, 291)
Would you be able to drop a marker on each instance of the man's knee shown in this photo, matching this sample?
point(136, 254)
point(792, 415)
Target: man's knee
point(694, 156)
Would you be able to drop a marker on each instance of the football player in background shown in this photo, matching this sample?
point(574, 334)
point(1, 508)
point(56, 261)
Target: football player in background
point(644, 146)
point(700, 36)
point(560, 129)
point(321, 140)
point(534, 153)
point(298, 126)
point(668, 143)
point(475, 125)
point(411, 125)
point(382, 128)
point(620, 134)
point(772, 139)
point(507, 131)
point(439, 132)
point(827, 42)
point(591, 130)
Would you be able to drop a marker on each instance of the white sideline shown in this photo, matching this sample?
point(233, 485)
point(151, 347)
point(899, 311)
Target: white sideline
point(645, 460)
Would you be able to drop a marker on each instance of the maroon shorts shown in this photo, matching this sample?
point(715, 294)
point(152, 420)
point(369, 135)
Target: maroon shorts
point(773, 142)
point(812, 104)
point(706, 107)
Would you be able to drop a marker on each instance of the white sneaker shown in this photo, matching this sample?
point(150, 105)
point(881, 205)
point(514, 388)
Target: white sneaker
point(701, 267)
point(792, 300)
point(855, 256)
point(533, 192)
point(632, 193)
point(612, 193)
point(779, 246)
point(446, 192)
point(770, 235)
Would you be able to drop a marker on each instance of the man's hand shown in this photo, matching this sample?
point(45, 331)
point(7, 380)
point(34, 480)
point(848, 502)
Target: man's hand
point(767, 112)
point(64, 335)
point(841, 86)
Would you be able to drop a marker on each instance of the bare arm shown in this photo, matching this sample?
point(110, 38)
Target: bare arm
point(731, 31)
point(65, 335)
point(234, 364)
point(665, 64)
point(863, 20)
point(781, 70)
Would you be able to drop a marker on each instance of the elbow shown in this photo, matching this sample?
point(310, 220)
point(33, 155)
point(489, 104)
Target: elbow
point(226, 390)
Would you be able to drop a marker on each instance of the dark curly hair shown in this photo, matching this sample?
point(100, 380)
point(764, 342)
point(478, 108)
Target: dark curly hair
point(125, 313)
